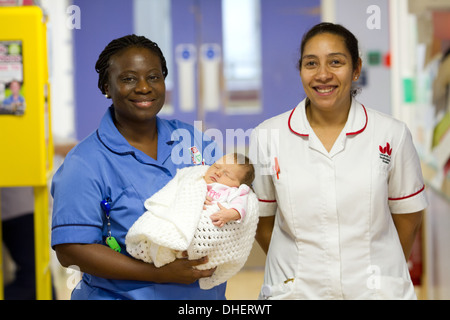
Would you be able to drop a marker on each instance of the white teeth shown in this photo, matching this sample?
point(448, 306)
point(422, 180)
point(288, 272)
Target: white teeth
point(327, 90)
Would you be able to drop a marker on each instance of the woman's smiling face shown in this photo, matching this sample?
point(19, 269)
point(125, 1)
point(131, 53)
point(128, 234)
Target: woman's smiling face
point(136, 84)
point(327, 72)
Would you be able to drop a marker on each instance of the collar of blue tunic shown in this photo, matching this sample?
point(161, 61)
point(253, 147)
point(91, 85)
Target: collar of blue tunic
point(112, 139)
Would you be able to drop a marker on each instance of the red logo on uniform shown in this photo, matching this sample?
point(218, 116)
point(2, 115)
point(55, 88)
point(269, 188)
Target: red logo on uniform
point(385, 153)
point(386, 150)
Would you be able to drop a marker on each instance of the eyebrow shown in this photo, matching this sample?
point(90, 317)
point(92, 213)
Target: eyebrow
point(311, 56)
point(134, 71)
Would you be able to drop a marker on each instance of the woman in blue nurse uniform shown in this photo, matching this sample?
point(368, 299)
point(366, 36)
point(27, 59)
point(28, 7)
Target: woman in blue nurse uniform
point(131, 156)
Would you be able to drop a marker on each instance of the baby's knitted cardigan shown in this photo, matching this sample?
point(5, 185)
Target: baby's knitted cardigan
point(175, 221)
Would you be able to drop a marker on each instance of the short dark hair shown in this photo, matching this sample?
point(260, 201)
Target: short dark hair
point(120, 44)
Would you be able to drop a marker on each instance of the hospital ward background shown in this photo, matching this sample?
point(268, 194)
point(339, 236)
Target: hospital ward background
point(232, 65)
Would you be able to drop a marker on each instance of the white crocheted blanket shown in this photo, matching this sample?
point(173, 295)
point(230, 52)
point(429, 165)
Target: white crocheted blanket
point(175, 221)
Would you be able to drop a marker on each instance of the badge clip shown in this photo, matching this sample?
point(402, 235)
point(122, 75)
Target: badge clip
point(110, 240)
point(196, 156)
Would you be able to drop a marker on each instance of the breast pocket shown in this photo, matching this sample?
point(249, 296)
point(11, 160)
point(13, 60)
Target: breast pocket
point(382, 170)
point(379, 188)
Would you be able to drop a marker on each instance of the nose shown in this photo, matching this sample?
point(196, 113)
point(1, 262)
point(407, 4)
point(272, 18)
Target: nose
point(323, 74)
point(143, 86)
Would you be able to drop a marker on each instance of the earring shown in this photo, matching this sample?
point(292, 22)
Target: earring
point(106, 96)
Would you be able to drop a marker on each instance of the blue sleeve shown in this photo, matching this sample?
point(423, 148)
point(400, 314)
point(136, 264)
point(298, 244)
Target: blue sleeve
point(77, 216)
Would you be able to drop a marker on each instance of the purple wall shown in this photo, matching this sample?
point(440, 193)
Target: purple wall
point(101, 22)
point(184, 30)
point(283, 25)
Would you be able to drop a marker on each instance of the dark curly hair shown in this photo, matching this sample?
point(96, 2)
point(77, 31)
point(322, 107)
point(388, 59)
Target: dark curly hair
point(120, 44)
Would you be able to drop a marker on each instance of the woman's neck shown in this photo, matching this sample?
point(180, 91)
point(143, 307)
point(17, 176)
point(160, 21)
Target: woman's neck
point(143, 136)
point(327, 124)
point(332, 118)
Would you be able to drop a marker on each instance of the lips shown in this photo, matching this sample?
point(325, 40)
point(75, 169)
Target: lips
point(146, 103)
point(213, 179)
point(324, 90)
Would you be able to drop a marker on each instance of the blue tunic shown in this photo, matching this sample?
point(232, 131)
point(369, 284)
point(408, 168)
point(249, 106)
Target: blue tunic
point(105, 165)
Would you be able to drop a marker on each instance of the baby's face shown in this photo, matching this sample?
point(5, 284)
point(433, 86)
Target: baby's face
point(226, 172)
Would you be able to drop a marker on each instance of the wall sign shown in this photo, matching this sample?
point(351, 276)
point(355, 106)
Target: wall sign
point(12, 100)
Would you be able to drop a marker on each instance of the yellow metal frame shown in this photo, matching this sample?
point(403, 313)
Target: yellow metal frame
point(1, 259)
point(29, 145)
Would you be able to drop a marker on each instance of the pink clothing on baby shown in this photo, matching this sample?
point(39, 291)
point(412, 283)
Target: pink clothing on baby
point(230, 197)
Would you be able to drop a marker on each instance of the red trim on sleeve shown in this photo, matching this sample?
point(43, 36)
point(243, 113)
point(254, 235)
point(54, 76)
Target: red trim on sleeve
point(410, 196)
point(267, 201)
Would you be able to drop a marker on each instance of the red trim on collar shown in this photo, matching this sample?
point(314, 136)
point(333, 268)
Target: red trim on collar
point(289, 124)
point(365, 125)
point(348, 134)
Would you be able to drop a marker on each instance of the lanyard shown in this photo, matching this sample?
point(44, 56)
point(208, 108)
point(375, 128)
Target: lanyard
point(110, 240)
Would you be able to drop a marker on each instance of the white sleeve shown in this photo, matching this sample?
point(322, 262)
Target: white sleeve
point(263, 184)
point(406, 185)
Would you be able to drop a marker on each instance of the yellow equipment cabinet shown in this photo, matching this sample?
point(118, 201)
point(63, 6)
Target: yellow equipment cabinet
point(25, 135)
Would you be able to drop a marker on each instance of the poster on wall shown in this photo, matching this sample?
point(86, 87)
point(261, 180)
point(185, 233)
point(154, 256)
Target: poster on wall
point(12, 100)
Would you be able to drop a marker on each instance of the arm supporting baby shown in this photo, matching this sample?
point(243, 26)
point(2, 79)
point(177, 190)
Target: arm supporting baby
point(101, 261)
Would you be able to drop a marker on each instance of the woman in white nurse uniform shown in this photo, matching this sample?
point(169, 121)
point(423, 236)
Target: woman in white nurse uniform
point(340, 186)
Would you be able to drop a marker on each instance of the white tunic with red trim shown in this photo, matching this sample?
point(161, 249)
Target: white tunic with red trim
point(334, 236)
